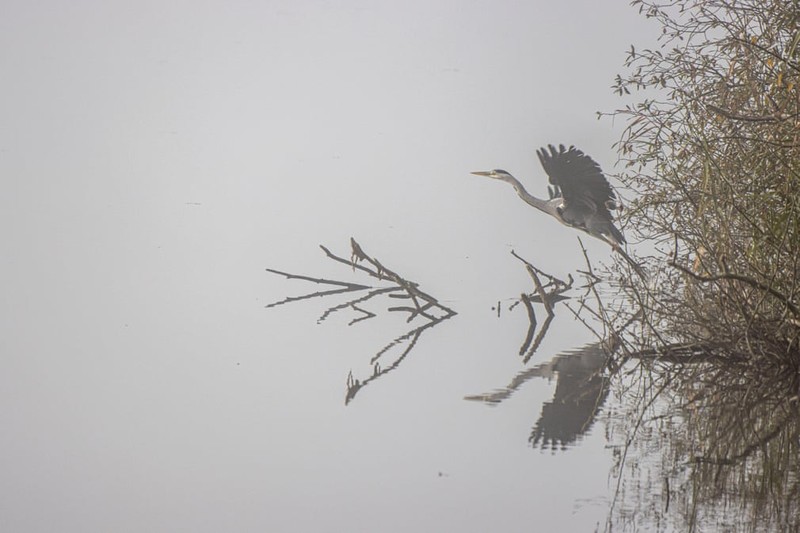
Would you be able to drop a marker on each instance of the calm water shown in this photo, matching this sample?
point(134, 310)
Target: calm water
point(159, 158)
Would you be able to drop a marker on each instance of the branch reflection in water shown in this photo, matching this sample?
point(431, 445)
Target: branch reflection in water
point(418, 305)
point(703, 433)
point(581, 386)
point(700, 442)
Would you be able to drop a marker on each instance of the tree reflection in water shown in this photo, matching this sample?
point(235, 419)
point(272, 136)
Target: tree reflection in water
point(703, 448)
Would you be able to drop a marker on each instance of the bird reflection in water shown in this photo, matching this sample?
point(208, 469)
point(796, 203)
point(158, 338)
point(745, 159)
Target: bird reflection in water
point(581, 385)
point(581, 390)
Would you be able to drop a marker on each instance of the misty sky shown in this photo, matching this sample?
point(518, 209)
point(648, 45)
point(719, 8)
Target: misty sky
point(157, 156)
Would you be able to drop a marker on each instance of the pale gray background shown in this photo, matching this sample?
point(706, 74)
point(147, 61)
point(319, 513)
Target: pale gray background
point(156, 156)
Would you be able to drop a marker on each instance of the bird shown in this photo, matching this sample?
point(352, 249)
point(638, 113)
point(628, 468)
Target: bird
point(580, 195)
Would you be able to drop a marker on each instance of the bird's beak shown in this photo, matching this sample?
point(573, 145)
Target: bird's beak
point(486, 173)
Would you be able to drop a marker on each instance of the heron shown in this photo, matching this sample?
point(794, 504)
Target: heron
point(580, 195)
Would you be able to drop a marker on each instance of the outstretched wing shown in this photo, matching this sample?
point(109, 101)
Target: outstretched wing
point(584, 188)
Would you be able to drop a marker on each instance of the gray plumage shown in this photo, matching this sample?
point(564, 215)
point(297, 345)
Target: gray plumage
point(580, 195)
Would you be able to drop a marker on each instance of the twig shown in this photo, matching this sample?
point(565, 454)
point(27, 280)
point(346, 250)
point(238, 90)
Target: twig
point(539, 338)
point(351, 303)
point(577, 315)
point(320, 294)
point(367, 315)
point(544, 296)
point(349, 263)
point(550, 277)
point(746, 452)
point(744, 279)
point(749, 118)
point(531, 323)
point(351, 286)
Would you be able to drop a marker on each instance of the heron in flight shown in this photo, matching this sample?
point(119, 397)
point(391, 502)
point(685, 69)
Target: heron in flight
point(580, 195)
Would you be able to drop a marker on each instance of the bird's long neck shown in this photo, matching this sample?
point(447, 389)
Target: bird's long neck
point(538, 203)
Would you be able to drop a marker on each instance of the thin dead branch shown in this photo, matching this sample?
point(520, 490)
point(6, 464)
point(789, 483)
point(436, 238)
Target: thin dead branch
point(423, 306)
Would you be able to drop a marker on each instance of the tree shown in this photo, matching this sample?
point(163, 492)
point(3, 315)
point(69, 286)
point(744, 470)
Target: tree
point(713, 155)
point(712, 159)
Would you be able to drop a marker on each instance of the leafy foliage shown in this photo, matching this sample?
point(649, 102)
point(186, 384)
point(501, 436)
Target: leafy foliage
point(713, 153)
